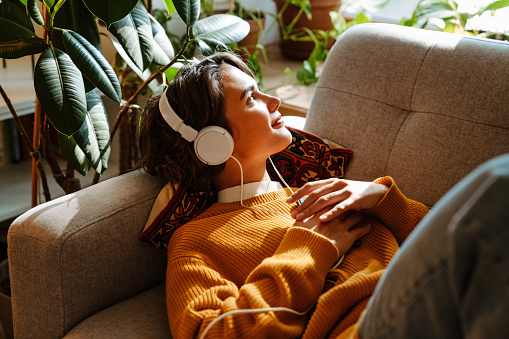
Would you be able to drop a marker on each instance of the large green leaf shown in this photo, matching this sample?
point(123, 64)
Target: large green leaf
point(134, 33)
point(33, 10)
point(494, 6)
point(59, 87)
point(15, 24)
point(90, 145)
point(100, 131)
point(20, 3)
point(219, 30)
point(19, 48)
point(170, 6)
point(188, 10)
point(110, 11)
point(92, 64)
point(75, 16)
point(73, 153)
point(163, 49)
point(172, 71)
point(49, 3)
point(142, 75)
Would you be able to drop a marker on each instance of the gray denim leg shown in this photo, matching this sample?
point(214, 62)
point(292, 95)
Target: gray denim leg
point(450, 279)
point(479, 262)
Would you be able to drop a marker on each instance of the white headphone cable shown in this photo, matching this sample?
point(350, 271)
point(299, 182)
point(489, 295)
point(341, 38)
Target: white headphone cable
point(255, 310)
point(247, 311)
point(242, 194)
point(279, 174)
point(266, 309)
point(336, 265)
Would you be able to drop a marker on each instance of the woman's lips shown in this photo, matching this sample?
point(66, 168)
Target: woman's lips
point(279, 122)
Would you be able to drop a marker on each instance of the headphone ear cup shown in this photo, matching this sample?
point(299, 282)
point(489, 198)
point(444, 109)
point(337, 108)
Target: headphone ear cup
point(213, 145)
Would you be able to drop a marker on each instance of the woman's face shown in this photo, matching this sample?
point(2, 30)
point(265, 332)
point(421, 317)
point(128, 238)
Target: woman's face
point(257, 128)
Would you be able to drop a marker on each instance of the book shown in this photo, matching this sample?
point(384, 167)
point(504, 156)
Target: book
point(6, 141)
point(15, 142)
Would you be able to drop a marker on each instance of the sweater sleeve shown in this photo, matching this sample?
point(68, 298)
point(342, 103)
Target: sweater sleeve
point(397, 212)
point(197, 293)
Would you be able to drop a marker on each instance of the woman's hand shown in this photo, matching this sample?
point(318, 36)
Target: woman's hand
point(342, 231)
point(339, 195)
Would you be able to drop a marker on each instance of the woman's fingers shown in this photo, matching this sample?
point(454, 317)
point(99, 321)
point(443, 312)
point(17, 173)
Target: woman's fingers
point(336, 211)
point(344, 195)
point(344, 231)
point(314, 204)
point(351, 220)
point(361, 231)
point(307, 188)
point(320, 198)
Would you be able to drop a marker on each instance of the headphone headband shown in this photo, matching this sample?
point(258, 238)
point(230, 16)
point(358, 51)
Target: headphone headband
point(175, 122)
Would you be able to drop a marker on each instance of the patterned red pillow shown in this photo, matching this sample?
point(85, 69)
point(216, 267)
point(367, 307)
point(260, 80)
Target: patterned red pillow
point(307, 158)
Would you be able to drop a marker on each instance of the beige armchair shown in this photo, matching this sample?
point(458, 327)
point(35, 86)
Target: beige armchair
point(423, 107)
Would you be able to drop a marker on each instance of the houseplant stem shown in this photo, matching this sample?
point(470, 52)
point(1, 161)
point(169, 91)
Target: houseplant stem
point(125, 105)
point(36, 156)
point(36, 138)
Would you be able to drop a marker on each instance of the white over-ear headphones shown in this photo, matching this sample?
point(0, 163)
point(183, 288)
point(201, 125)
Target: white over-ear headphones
point(212, 144)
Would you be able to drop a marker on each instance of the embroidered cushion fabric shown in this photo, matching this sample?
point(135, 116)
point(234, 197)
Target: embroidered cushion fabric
point(307, 158)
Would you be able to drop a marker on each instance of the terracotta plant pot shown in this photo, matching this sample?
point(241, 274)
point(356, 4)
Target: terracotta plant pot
point(300, 50)
point(251, 39)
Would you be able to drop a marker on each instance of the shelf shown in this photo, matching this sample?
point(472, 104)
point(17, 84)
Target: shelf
point(16, 186)
point(295, 98)
point(18, 83)
point(15, 179)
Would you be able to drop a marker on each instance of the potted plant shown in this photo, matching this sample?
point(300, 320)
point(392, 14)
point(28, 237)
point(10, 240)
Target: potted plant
point(249, 48)
point(445, 16)
point(71, 65)
point(256, 21)
point(302, 22)
point(307, 74)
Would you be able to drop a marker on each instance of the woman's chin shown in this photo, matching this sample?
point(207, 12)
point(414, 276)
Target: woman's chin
point(286, 139)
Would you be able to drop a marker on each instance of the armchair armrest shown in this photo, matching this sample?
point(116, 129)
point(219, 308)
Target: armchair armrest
point(76, 255)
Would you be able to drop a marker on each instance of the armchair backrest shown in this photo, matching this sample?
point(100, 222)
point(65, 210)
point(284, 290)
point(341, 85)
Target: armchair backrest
point(422, 106)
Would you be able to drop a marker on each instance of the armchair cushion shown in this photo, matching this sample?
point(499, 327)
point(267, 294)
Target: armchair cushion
point(128, 319)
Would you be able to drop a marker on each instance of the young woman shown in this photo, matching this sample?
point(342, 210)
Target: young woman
point(255, 264)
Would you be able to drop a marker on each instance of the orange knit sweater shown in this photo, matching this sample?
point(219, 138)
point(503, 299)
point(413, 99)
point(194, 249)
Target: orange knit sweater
point(231, 258)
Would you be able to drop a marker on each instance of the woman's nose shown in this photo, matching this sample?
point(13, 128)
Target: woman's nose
point(273, 103)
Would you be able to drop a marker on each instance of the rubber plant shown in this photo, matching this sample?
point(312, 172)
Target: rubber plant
point(71, 65)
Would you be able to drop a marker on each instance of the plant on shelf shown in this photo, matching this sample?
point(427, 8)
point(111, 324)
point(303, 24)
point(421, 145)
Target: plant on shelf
point(251, 50)
point(307, 74)
point(445, 16)
point(207, 7)
point(72, 65)
point(302, 23)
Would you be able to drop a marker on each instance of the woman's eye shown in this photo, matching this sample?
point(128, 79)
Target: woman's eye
point(250, 99)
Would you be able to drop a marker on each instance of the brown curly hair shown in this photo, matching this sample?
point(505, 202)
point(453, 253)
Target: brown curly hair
point(196, 95)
